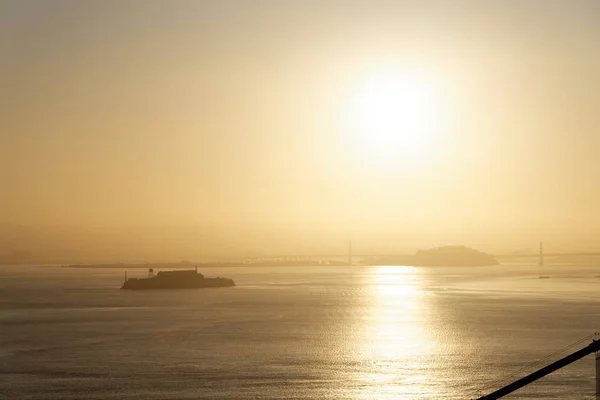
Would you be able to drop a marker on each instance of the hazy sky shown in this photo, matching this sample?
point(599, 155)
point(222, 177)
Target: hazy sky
point(236, 114)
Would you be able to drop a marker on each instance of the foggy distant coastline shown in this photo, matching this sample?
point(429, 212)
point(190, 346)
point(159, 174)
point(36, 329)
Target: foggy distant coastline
point(441, 256)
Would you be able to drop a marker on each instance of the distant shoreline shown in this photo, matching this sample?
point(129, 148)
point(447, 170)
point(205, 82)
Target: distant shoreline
point(202, 265)
point(446, 256)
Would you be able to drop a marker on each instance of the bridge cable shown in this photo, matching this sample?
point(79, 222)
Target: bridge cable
point(538, 362)
point(507, 379)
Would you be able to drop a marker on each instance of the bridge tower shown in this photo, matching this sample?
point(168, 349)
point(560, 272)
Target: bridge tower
point(541, 259)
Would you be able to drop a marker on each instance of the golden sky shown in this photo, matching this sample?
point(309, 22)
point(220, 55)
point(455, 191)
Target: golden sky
point(430, 122)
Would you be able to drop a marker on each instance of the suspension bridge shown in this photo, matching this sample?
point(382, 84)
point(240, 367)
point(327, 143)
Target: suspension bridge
point(554, 251)
point(544, 252)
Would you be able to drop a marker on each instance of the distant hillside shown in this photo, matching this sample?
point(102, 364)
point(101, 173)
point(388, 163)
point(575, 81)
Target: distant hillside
point(454, 256)
point(15, 257)
point(441, 256)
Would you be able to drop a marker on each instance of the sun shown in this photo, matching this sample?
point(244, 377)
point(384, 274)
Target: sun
point(394, 116)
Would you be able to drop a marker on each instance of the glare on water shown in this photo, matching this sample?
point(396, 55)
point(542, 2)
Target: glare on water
point(387, 332)
point(396, 330)
point(397, 339)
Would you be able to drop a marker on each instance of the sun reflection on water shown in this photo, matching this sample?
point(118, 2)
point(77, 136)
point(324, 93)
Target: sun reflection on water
point(397, 342)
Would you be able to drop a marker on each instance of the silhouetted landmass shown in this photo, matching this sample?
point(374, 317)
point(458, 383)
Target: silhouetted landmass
point(440, 256)
point(454, 255)
point(16, 257)
point(187, 279)
point(150, 265)
point(220, 264)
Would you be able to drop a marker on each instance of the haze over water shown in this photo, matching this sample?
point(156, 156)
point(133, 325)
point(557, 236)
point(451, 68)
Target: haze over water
point(386, 332)
point(190, 129)
point(212, 130)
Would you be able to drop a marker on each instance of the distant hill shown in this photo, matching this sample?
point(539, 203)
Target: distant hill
point(441, 256)
point(454, 256)
point(16, 257)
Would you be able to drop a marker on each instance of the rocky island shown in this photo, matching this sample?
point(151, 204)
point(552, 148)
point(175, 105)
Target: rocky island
point(186, 279)
point(446, 256)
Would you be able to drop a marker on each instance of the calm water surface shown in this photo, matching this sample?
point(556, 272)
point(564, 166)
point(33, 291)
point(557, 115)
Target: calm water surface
point(386, 332)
